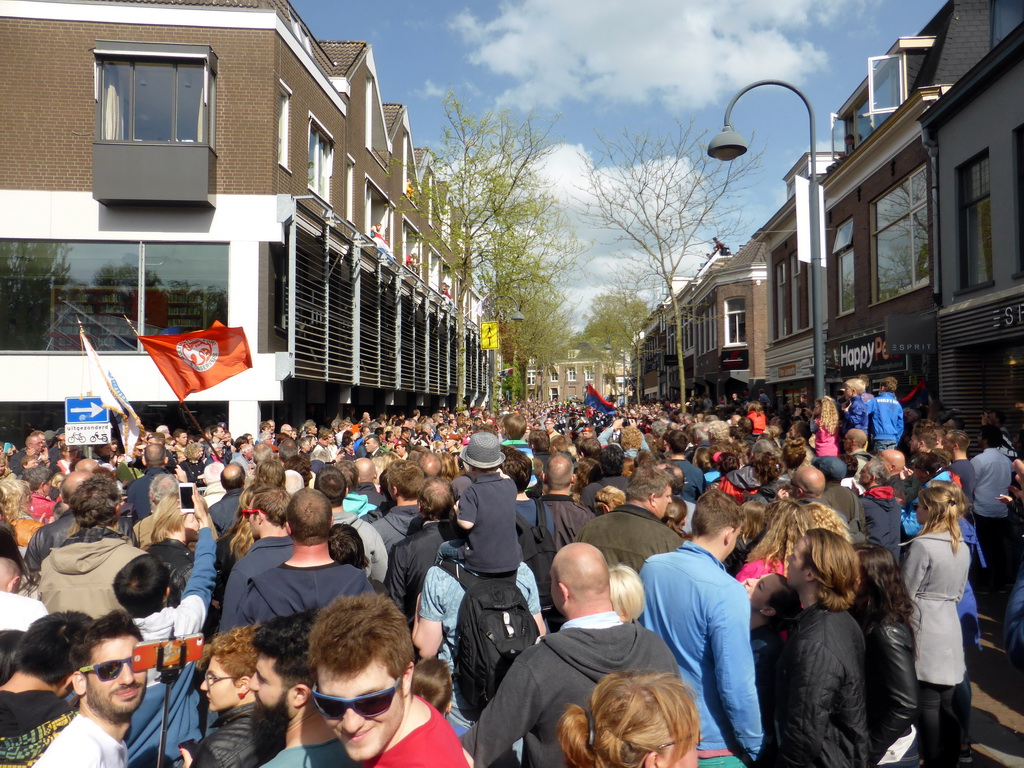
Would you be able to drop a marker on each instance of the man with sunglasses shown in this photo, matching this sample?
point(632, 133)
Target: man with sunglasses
point(109, 691)
point(285, 712)
point(362, 656)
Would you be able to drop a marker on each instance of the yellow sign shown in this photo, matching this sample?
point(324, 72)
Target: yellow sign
point(488, 335)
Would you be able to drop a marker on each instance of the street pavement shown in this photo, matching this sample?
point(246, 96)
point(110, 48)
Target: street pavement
point(997, 719)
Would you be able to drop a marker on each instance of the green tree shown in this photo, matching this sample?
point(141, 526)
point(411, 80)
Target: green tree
point(502, 225)
point(665, 200)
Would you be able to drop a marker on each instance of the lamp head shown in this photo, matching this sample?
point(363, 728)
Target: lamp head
point(517, 317)
point(727, 145)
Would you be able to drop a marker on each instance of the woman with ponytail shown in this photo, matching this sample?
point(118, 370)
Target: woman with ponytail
point(935, 572)
point(633, 720)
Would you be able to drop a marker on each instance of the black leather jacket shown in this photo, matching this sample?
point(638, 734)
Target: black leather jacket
point(232, 745)
point(820, 703)
point(891, 682)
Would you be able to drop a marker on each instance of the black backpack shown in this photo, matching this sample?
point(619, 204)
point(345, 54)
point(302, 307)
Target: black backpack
point(538, 545)
point(495, 626)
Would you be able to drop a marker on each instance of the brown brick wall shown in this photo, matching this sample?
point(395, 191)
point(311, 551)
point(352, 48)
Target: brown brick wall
point(49, 127)
point(858, 205)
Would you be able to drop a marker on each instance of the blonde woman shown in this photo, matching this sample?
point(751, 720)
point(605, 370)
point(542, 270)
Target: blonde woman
point(627, 592)
point(785, 524)
point(823, 516)
point(826, 421)
point(935, 572)
point(15, 501)
point(632, 720)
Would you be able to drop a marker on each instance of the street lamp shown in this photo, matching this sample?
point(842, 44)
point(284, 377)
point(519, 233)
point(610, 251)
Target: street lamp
point(516, 317)
point(728, 145)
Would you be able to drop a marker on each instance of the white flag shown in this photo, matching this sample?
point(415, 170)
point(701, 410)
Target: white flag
point(102, 384)
point(803, 220)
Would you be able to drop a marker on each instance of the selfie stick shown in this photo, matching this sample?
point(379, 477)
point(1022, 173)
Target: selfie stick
point(168, 677)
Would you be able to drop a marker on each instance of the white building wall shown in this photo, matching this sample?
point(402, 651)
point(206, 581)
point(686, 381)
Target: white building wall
point(241, 221)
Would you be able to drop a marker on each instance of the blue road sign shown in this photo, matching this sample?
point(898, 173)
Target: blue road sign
point(84, 410)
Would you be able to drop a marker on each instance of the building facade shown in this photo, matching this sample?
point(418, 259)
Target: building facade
point(173, 165)
point(978, 133)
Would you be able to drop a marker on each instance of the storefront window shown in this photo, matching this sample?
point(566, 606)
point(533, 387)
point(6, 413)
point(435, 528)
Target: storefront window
point(47, 288)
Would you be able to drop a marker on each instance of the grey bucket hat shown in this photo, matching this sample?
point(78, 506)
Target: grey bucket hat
point(483, 451)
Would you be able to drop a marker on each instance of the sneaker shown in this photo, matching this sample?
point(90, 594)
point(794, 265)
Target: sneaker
point(967, 756)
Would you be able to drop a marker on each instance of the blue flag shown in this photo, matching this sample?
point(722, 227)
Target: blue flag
point(595, 401)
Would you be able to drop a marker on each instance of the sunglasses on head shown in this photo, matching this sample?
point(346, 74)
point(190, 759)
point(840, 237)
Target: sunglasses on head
point(247, 513)
point(106, 671)
point(367, 705)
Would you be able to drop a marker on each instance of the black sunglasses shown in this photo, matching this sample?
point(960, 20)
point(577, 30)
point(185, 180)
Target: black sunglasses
point(367, 705)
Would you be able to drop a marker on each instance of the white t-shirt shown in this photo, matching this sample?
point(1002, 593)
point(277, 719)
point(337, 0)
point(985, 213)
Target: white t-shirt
point(18, 611)
point(83, 744)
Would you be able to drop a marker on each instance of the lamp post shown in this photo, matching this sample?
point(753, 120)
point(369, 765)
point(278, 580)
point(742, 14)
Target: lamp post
point(492, 356)
point(728, 145)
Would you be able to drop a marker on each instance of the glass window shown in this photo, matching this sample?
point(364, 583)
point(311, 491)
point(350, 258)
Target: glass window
point(781, 313)
point(283, 105)
point(900, 235)
point(975, 223)
point(154, 101)
point(47, 288)
point(531, 377)
point(186, 286)
point(842, 249)
point(588, 374)
point(321, 160)
point(1006, 16)
point(885, 83)
point(570, 375)
point(794, 293)
point(736, 321)
point(553, 375)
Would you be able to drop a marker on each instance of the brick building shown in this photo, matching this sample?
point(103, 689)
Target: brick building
point(172, 165)
point(882, 261)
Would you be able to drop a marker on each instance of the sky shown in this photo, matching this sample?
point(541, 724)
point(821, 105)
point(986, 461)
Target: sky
point(603, 65)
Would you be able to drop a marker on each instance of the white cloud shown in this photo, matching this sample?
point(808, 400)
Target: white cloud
point(683, 53)
point(598, 269)
point(431, 90)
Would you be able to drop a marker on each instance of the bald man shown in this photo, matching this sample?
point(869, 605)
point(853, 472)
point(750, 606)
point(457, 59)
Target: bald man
point(564, 667)
point(855, 443)
point(810, 482)
point(568, 516)
point(367, 484)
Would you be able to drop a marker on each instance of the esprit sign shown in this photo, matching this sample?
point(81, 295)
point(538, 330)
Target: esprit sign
point(867, 354)
point(1011, 316)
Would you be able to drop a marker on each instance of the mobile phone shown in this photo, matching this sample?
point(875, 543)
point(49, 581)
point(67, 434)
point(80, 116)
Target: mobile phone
point(191, 746)
point(185, 491)
point(167, 654)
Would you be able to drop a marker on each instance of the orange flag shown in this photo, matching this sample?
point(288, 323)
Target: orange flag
point(192, 362)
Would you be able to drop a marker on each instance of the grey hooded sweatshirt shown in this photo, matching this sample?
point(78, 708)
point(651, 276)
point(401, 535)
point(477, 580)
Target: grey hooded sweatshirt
point(560, 669)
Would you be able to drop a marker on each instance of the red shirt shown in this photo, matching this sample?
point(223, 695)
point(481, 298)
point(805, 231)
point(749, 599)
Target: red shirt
point(432, 745)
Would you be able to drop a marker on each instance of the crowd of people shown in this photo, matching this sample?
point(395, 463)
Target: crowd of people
point(729, 585)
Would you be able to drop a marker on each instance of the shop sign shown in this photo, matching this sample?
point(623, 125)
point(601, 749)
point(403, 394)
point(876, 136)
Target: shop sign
point(671, 361)
point(1011, 316)
point(735, 360)
point(911, 334)
point(786, 371)
point(866, 354)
